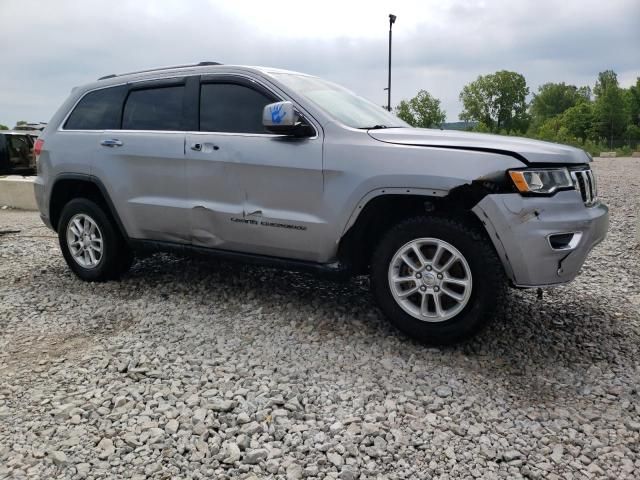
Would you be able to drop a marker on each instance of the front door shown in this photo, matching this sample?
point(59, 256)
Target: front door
point(251, 191)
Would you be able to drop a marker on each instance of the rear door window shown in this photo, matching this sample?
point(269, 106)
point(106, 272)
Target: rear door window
point(230, 107)
point(154, 109)
point(98, 110)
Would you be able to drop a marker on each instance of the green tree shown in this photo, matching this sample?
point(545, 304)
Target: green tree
point(555, 98)
point(21, 122)
point(423, 111)
point(610, 115)
point(499, 101)
point(633, 103)
point(578, 120)
point(550, 129)
point(572, 126)
point(3, 127)
point(632, 135)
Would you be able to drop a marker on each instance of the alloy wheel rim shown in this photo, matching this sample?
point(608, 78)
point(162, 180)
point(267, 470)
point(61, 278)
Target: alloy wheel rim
point(84, 240)
point(430, 279)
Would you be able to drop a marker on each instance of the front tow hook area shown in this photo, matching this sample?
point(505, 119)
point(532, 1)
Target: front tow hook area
point(560, 270)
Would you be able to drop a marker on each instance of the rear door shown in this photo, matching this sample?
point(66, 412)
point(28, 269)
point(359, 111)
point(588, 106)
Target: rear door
point(251, 191)
point(76, 146)
point(142, 163)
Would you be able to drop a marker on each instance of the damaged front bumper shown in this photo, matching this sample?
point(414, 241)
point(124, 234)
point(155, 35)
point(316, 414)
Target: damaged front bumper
point(542, 241)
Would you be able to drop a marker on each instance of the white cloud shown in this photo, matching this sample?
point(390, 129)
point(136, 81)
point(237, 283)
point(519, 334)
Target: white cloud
point(440, 46)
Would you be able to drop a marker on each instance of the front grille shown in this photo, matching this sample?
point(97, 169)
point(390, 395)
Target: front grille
point(585, 183)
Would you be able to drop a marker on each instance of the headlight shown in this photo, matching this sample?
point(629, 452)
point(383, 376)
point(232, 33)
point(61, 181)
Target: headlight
point(546, 180)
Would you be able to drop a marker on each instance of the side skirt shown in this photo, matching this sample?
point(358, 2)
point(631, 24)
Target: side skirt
point(336, 270)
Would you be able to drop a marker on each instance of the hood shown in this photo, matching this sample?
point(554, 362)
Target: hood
point(533, 151)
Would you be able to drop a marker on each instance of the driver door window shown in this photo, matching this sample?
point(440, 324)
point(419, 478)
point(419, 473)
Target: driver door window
point(231, 108)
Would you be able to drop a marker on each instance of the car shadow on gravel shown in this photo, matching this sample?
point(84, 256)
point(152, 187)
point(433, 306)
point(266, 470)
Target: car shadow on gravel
point(546, 345)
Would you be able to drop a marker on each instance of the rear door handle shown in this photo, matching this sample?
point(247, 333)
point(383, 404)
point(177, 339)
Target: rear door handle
point(112, 142)
point(197, 147)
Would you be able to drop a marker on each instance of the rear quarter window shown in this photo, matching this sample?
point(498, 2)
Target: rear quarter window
point(98, 110)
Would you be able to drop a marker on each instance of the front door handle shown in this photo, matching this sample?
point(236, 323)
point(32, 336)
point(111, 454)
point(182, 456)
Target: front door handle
point(112, 142)
point(204, 147)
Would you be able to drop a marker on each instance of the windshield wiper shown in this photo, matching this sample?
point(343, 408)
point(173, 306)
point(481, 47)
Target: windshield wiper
point(379, 127)
point(375, 127)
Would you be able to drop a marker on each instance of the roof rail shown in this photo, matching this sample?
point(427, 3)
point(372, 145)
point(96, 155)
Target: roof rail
point(157, 69)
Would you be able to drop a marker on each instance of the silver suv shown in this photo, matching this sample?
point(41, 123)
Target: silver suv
point(286, 169)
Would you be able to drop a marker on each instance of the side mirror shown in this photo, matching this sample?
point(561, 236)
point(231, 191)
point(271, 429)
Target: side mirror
point(282, 118)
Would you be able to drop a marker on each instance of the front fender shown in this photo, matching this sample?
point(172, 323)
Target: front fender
point(358, 168)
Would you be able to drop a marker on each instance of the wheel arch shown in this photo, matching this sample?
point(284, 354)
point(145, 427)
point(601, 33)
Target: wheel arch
point(68, 186)
point(383, 208)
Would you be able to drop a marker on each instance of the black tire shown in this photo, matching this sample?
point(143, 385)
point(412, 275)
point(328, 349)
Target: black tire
point(488, 286)
point(116, 257)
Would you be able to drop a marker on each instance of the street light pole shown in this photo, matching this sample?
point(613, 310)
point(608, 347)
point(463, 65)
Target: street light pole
point(392, 20)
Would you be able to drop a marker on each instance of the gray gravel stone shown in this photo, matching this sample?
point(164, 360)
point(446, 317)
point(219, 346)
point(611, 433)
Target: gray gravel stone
point(220, 405)
point(231, 453)
point(172, 426)
point(272, 466)
point(83, 469)
point(335, 459)
point(152, 468)
point(511, 455)
point(251, 428)
point(443, 391)
point(294, 472)
point(347, 473)
point(255, 456)
point(633, 425)
point(105, 448)
point(190, 369)
point(310, 471)
point(58, 458)
point(242, 418)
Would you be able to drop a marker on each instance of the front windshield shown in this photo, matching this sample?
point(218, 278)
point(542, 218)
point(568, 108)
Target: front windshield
point(340, 103)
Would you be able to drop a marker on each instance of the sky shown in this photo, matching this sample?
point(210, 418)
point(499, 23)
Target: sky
point(50, 46)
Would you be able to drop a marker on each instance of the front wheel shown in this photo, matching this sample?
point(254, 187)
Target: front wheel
point(436, 279)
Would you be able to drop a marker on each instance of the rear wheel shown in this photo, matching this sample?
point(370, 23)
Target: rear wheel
point(90, 243)
point(437, 279)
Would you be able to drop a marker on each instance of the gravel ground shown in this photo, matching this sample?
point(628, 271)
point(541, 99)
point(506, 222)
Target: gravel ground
point(187, 369)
